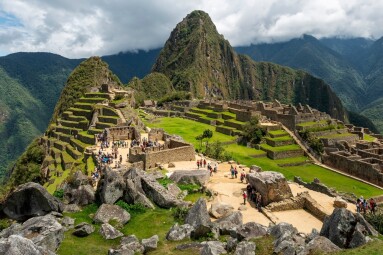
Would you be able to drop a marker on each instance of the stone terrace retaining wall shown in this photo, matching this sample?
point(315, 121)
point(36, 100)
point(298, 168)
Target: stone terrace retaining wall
point(284, 154)
point(278, 143)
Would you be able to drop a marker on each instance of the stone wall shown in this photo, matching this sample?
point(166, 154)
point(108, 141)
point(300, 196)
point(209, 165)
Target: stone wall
point(156, 134)
point(283, 154)
point(224, 130)
point(274, 143)
point(316, 186)
point(123, 133)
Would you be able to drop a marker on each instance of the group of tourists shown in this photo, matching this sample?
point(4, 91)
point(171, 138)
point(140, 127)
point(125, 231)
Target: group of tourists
point(95, 174)
point(252, 195)
point(362, 205)
point(201, 163)
point(233, 172)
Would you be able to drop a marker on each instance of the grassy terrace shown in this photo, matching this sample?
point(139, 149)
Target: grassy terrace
point(335, 136)
point(189, 129)
point(280, 138)
point(279, 132)
point(369, 138)
point(312, 123)
point(291, 147)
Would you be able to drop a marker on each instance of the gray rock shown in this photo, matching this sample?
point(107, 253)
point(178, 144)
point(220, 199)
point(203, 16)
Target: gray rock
point(44, 231)
point(150, 244)
point(30, 200)
point(345, 229)
point(287, 240)
point(16, 244)
point(79, 191)
point(83, 229)
point(198, 214)
point(109, 232)
point(271, 185)
point(319, 244)
point(157, 193)
point(121, 251)
point(178, 233)
point(314, 233)
point(198, 177)
point(231, 244)
point(67, 222)
point(187, 246)
point(219, 210)
point(201, 231)
point(111, 186)
point(175, 190)
point(131, 243)
point(245, 248)
point(230, 223)
point(213, 248)
point(370, 229)
point(108, 212)
point(283, 230)
point(134, 194)
point(250, 230)
point(71, 208)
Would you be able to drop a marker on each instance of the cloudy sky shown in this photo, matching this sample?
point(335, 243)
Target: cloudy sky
point(81, 28)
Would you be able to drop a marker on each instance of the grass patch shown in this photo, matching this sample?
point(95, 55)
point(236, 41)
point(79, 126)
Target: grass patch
point(312, 123)
point(342, 135)
point(280, 138)
point(279, 132)
point(368, 138)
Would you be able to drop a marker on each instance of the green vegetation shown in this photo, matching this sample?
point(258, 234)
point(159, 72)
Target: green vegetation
point(132, 208)
point(291, 147)
point(174, 96)
point(189, 129)
point(252, 132)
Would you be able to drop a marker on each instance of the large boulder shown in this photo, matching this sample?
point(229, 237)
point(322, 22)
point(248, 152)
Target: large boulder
point(198, 214)
point(213, 248)
point(345, 229)
point(319, 244)
point(158, 193)
point(108, 212)
point(16, 244)
point(340, 203)
point(179, 232)
point(250, 230)
point(287, 239)
point(230, 223)
point(219, 210)
point(245, 248)
point(131, 243)
point(44, 231)
point(199, 177)
point(150, 244)
point(134, 194)
point(109, 232)
point(271, 185)
point(111, 186)
point(83, 229)
point(79, 191)
point(30, 200)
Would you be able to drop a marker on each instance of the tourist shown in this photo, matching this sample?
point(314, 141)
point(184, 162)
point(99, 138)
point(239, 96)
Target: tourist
point(243, 175)
point(372, 205)
point(204, 162)
point(235, 172)
point(215, 168)
point(197, 164)
point(211, 171)
point(232, 172)
point(249, 189)
point(120, 159)
point(244, 195)
point(358, 205)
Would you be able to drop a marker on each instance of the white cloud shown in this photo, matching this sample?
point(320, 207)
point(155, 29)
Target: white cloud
point(97, 27)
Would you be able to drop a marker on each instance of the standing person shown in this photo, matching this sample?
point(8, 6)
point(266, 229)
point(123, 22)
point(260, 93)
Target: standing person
point(358, 205)
point(215, 168)
point(204, 162)
point(197, 163)
point(244, 195)
point(211, 171)
point(235, 172)
point(372, 205)
point(243, 175)
point(232, 172)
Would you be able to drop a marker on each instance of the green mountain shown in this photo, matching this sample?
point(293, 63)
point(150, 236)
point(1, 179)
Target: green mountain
point(198, 59)
point(352, 67)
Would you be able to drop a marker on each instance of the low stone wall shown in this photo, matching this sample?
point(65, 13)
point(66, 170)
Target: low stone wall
point(108, 112)
point(329, 142)
point(278, 143)
point(156, 134)
point(123, 133)
point(227, 116)
point(224, 130)
point(301, 201)
point(206, 121)
point(234, 124)
point(284, 154)
point(214, 115)
point(315, 186)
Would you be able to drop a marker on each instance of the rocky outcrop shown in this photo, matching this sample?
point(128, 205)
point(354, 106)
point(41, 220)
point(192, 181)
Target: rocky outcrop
point(109, 232)
point(179, 232)
point(219, 210)
point(249, 230)
point(198, 214)
point(67, 222)
point(198, 177)
point(340, 203)
point(83, 229)
point(79, 191)
point(44, 231)
point(157, 193)
point(245, 248)
point(319, 244)
point(213, 248)
point(30, 200)
point(134, 194)
point(287, 239)
point(111, 186)
point(150, 244)
point(345, 229)
point(108, 212)
point(131, 243)
point(16, 244)
point(271, 185)
point(230, 223)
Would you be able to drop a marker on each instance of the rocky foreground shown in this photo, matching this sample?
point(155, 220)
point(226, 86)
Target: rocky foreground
point(40, 225)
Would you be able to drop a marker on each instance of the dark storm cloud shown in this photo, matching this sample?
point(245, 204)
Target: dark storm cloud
point(97, 27)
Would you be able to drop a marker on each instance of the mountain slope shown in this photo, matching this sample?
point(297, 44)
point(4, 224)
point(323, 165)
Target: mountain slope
point(198, 59)
point(309, 54)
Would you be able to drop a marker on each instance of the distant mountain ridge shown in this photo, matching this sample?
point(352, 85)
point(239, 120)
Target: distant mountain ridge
point(352, 67)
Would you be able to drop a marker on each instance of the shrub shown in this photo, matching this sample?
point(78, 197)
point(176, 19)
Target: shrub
point(179, 213)
point(132, 208)
point(59, 193)
point(164, 181)
point(376, 220)
point(5, 223)
point(190, 188)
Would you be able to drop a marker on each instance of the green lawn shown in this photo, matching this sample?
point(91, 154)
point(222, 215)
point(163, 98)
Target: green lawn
point(279, 132)
point(291, 147)
point(280, 138)
point(189, 129)
point(369, 138)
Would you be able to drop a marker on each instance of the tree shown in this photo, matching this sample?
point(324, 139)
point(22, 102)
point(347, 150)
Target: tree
point(207, 134)
point(252, 131)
